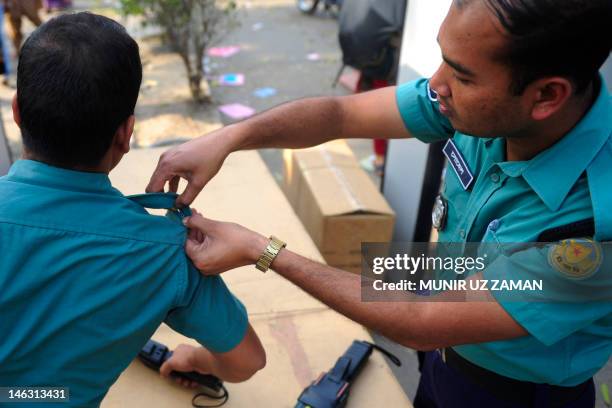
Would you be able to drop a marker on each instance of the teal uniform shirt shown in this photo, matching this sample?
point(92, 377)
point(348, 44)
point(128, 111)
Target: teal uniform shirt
point(87, 276)
point(516, 202)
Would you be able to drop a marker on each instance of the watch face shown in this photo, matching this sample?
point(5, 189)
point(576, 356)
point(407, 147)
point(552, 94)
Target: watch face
point(439, 213)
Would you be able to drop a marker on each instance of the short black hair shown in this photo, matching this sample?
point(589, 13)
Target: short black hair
point(569, 38)
point(77, 81)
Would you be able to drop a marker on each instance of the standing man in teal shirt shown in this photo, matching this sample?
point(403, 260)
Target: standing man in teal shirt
point(528, 125)
point(86, 274)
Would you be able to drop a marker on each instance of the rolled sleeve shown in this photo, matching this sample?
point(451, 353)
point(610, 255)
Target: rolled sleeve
point(421, 115)
point(209, 313)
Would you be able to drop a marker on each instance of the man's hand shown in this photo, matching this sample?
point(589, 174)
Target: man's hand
point(197, 161)
point(216, 247)
point(183, 359)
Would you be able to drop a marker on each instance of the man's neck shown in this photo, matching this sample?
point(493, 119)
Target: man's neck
point(545, 134)
point(101, 168)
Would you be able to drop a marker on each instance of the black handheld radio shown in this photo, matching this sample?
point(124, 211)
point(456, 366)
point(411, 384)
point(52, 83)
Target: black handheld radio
point(153, 355)
point(331, 389)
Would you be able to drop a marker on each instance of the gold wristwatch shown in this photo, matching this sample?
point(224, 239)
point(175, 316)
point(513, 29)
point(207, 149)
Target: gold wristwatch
point(268, 255)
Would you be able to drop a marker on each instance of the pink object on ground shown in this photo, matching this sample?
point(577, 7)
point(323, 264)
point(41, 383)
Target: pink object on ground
point(237, 110)
point(223, 52)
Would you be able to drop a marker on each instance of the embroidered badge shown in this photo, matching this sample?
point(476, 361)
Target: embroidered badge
point(576, 258)
point(457, 162)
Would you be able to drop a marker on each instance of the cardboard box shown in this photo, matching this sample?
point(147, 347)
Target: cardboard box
point(337, 202)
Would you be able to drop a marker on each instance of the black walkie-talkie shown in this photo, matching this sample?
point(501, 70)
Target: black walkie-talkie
point(331, 389)
point(153, 355)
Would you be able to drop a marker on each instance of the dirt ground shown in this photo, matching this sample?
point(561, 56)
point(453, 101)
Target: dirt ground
point(275, 40)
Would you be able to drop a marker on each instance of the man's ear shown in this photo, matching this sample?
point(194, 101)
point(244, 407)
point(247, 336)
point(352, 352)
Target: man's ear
point(124, 134)
point(550, 96)
point(16, 115)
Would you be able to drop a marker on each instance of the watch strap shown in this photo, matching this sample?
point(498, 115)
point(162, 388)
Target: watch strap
point(270, 253)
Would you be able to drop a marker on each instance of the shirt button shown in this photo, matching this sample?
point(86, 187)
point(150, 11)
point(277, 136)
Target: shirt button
point(462, 233)
point(495, 177)
point(494, 225)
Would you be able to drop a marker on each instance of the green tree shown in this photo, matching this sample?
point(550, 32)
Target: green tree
point(190, 27)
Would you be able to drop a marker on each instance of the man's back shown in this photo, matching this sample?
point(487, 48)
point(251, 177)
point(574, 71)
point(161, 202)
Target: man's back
point(86, 277)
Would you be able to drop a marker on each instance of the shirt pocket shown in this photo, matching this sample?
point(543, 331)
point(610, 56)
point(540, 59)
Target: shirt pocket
point(498, 243)
point(491, 239)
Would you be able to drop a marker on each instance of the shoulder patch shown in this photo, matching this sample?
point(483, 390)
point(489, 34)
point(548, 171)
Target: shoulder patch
point(583, 228)
point(576, 258)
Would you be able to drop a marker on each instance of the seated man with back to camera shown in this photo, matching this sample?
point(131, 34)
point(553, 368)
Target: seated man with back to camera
point(86, 274)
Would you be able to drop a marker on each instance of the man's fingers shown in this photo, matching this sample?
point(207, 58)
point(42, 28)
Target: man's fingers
point(174, 183)
point(198, 222)
point(192, 234)
point(196, 235)
point(158, 179)
point(192, 247)
point(166, 369)
point(155, 186)
point(190, 193)
point(157, 182)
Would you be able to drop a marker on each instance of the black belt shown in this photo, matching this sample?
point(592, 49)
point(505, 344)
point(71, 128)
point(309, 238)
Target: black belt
point(509, 389)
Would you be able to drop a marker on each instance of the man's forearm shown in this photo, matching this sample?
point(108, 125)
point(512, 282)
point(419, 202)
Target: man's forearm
point(205, 362)
point(297, 124)
point(446, 320)
point(312, 121)
point(341, 291)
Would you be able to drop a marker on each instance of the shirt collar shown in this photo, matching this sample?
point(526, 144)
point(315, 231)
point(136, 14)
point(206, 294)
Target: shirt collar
point(38, 173)
point(553, 172)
